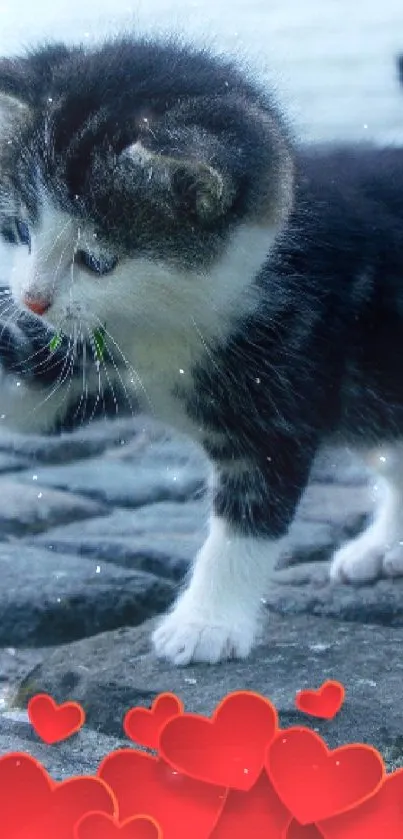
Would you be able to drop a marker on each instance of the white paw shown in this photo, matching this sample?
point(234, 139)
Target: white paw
point(191, 633)
point(357, 562)
point(364, 560)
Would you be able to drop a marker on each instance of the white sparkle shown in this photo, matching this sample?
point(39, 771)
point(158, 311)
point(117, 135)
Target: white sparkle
point(98, 569)
point(39, 495)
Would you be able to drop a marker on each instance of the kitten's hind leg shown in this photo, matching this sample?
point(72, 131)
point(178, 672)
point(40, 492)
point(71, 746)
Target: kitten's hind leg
point(379, 550)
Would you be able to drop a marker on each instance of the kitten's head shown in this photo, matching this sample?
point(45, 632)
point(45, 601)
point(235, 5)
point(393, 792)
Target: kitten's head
point(128, 176)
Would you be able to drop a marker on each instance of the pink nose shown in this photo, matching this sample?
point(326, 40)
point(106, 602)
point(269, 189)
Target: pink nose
point(37, 305)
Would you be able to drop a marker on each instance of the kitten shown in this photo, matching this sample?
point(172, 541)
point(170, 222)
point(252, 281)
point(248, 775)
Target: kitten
point(174, 253)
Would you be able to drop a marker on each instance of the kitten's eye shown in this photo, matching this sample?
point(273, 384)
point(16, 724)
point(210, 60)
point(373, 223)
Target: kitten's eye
point(97, 265)
point(17, 233)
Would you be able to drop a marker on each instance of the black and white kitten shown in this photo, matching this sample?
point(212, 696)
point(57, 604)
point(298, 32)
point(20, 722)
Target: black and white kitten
point(247, 294)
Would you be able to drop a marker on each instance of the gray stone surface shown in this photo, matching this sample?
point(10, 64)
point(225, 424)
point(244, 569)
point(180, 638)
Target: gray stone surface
point(32, 509)
point(342, 464)
point(310, 541)
point(121, 484)
point(114, 671)
point(160, 537)
point(345, 507)
point(48, 598)
point(85, 442)
point(306, 589)
point(11, 463)
point(80, 755)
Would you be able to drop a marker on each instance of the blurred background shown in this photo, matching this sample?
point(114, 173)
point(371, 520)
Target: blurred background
point(331, 60)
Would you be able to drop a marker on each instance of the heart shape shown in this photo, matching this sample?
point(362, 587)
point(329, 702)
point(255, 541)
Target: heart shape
point(101, 826)
point(53, 722)
point(315, 782)
point(50, 809)
point(144, 726)
point(144, 784)
point(257, 813)
point(324, 702)
point(71, 799)
point(228, 749)
point(22, 778)
point(296, 830)
point(380, 815)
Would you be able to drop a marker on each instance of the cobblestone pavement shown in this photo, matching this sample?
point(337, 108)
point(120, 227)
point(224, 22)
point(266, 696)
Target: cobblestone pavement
point(97, 527)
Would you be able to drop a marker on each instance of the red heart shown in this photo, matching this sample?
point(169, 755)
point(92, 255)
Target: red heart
point(70, 801)
point(22, 779)
point(101, 826)
point(300, 831)
point(144, 726)
point(380, 815)
point(49, 809)
point(53, 722)
point(315, 782)
point(257, 813)
point(324, 702)
point(146, 785)
point(229, 748)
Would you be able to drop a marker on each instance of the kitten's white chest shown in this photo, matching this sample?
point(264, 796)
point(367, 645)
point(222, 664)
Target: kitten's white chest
point(161, 370)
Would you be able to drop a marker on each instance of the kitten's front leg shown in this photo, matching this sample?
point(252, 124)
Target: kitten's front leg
point(217, 616)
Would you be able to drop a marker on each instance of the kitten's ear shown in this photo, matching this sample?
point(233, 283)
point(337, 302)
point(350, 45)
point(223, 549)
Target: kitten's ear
point(201, 190)
point(197, 188)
